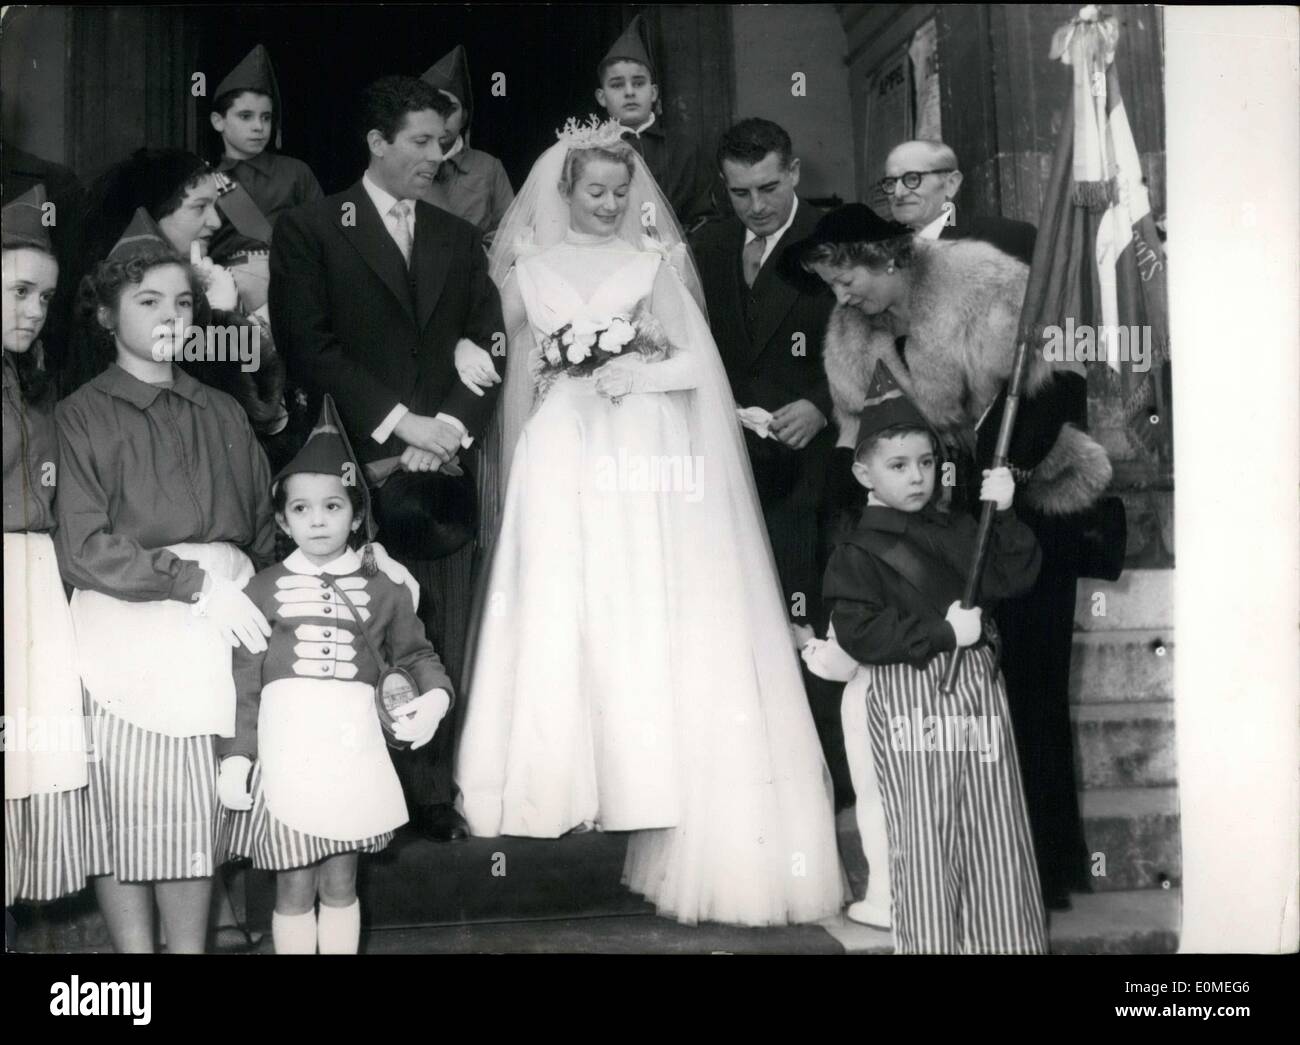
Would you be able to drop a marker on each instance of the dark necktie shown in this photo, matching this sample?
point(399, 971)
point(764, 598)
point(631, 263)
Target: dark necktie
point(752, 259)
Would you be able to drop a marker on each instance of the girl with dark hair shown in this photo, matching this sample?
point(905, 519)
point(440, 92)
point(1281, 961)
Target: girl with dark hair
point(163, 513)
point(45, 786)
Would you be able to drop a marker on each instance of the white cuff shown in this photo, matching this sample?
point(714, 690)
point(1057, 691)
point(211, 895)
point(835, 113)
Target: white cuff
point(385, 430)
point(466, 440)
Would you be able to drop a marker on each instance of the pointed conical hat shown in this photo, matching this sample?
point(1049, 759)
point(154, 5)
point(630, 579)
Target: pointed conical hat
point(255, 73)
point(22, 221)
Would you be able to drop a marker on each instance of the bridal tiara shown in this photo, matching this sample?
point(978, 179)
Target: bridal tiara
point(593, 133)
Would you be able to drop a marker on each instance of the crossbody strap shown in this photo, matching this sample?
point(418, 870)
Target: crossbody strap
point(361, 625)
point(904, 560)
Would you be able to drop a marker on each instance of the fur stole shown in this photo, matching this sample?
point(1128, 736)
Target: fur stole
point(965, 312)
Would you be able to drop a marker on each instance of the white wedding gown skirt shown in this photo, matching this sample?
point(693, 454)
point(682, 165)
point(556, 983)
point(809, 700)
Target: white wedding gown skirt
point(617, 675)
point(571, 716)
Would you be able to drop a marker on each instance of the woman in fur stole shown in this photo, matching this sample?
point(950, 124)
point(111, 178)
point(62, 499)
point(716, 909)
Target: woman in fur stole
point(943, 317)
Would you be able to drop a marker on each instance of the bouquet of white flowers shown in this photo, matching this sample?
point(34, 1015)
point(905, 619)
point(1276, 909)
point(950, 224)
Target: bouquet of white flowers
point(583, 346)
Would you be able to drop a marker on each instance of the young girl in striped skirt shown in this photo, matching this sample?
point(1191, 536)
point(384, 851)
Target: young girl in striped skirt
point(961, 859)
point(163, 513)
point(323, 789)
point(45, 756)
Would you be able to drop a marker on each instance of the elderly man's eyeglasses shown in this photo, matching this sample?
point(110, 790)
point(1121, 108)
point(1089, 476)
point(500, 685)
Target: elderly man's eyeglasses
point(910, 179)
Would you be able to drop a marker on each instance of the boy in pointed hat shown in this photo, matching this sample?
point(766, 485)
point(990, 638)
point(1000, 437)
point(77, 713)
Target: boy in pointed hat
point(307, 774)
point(961, 860)
point(629, 92)
point(245, 110)
point(469, 183)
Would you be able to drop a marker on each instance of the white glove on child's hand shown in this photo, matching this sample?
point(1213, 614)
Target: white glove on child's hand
point(419, 719)
point(966, 624)
point(998, 486)
point(828, 660)
point(232, 783)
point(474, 365)
point(396, 572)
point(233, 614)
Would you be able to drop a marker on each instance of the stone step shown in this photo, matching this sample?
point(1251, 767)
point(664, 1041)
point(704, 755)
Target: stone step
point(1120, 922)
point(1119, 666)
point(1124, 745)
point(412, 882)
point(418, 882)
point(1139, 599)
point(1144, 921)
point(1132, 835)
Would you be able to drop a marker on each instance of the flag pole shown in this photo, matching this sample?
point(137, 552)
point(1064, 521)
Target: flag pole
point(984, 535)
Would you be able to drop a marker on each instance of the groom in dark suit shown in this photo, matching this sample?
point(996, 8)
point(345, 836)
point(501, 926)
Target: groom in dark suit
point(371, 291)
point(769, 332)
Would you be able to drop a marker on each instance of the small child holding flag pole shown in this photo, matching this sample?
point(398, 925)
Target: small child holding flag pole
point(961, 858)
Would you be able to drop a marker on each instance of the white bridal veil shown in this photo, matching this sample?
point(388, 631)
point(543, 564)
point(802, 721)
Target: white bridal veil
point(740, 657)
point(539, 218)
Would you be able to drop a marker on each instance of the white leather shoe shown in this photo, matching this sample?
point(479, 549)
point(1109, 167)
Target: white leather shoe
point(864, 912)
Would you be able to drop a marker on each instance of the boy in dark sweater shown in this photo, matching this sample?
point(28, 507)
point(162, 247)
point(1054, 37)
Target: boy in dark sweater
point(246, 113)
point(961, 860)
point(629, 92)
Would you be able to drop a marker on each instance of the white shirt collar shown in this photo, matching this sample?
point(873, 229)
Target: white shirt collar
point(348, 562)
point(935, 227)
point(637, 130)
point(775, 237)
point(381, 198)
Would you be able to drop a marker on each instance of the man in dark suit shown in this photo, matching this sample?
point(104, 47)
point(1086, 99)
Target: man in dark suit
point(371, 292)
point(927, 203)
point(769, 332)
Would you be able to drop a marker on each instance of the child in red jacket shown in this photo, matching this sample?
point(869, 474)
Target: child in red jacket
point(323, 789)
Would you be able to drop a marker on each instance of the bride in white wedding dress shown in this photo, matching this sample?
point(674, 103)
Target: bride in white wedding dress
point(633, 668)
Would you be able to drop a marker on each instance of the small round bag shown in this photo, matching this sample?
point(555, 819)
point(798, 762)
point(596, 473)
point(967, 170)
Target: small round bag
point(396, 686)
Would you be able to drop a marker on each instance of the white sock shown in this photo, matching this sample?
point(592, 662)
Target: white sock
point(875, 843)
point(294, 933)
point(339, 928)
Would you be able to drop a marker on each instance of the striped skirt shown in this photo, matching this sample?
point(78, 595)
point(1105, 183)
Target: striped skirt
point(151, 803)
point(274, 846)
point(961, 858)
point(44, 846)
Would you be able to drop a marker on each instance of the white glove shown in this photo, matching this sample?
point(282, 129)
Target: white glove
point(233, 614)
point(827, 659)
point(420, 718)
point(396, 572)
point(966, 624)
point(218, 285)
point(232, 783)
point(802, 634)
point(614, 380)
point(474, 365)
point(998, 486)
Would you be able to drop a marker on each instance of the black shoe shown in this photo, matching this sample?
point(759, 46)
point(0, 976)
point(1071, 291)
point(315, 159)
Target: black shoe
point(234, 939)
point(441, 823)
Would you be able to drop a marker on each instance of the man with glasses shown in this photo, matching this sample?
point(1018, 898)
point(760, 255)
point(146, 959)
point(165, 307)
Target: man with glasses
point(922, 179)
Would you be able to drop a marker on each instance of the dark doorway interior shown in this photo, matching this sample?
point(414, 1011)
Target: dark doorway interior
point(324, 56)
